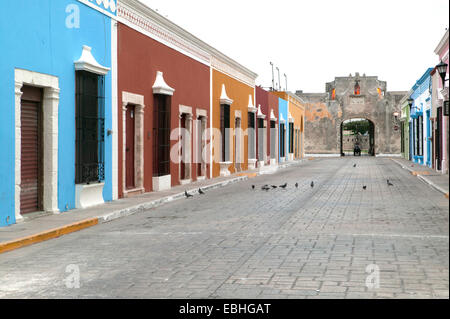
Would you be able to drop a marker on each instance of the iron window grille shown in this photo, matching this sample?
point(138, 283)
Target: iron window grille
point(291, 137)
point(161, 135)
point(224, 128)
point(90, 127)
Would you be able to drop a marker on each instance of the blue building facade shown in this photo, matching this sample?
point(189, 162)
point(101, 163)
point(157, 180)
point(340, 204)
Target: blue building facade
point(56, 93)
point(420, 123)
point(283, 127)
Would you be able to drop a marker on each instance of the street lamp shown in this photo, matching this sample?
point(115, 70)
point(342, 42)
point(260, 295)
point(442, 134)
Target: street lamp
point(442, 70)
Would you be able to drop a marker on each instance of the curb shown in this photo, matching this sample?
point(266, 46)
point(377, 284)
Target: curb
point(46, 235)
point(420, 176)
point(76, 226)
point(158, 202)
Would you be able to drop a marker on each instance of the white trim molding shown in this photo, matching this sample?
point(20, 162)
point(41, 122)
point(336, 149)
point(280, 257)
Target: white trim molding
point(87, 62)
point(160, 86)
point(50, 105)
point(137, 101)
point(187, 144)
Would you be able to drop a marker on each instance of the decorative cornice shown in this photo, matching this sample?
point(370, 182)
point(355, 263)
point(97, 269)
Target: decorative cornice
point(441, 43)
point(161, 28)
point(224, 99)
point(166, 31)
point(160, 86)
point(251, 107)
point(290, 118)
point(87, 62)
point(259, 114)
point(272, 116)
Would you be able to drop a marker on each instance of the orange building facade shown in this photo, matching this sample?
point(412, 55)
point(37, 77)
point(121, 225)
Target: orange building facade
point(232, 110)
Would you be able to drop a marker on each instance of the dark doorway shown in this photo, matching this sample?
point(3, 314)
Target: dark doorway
point(31, 150)
point(357, 134)
point(129, 148)
point(183, 151)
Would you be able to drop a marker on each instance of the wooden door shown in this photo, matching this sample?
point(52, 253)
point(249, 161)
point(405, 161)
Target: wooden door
point(129, 148)
point(31, 150)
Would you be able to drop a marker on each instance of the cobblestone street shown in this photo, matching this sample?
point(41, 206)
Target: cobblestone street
point(235, 242)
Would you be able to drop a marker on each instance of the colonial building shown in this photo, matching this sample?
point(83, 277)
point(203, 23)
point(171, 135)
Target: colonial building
point(295, 119)
point(267, 124)
point(232, 110)
point(163, 110)
point(57, 120)
point(420, 119)
point(440, 117)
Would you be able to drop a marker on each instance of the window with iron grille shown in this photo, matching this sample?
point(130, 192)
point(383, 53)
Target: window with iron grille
point(420, 135)
point(291, 137)
point(90, 126)
point(161, 135)
point(224, 129)
point(282, 140)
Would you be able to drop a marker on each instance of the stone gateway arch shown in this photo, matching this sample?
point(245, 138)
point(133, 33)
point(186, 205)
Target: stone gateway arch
point(352, 97)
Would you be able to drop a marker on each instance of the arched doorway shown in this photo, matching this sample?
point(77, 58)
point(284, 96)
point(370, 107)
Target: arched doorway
point(357, 132)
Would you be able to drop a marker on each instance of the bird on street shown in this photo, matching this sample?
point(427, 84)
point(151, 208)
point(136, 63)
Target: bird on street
point(389, 183)
point(354, 165)
point(253, 186)
point(284, 185)
point(265, 187)
point(312, 184)
point(187, 194)
point(200, 191)
point(274, 186)
point(296, 185)
point(364, 187)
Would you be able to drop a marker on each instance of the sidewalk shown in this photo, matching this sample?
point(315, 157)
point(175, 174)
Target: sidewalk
point(46, 227)
point(433, 178)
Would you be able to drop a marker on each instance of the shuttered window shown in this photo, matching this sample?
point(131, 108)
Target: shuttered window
point(90, 126)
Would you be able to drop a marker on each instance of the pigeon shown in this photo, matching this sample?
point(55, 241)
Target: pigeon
point(389, 183)
point(274, 186)
point(200, 191)
point(296, 185)
point(187, 194)
point(312, 184)
point(354, 165)
point(253, 186)
point(284, 185)
point(265, 187)
point(364, 187)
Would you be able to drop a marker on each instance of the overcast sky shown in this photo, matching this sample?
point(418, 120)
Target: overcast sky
point(312, 41)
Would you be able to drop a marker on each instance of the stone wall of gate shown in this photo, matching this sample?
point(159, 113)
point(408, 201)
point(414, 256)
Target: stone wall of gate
point(347, 98)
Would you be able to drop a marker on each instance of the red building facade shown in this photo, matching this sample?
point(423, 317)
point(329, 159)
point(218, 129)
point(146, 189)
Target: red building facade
point(161, 87)
point(267, 124)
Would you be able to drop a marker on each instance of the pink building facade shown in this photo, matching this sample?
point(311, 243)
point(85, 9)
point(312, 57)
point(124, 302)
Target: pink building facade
point(441, 94)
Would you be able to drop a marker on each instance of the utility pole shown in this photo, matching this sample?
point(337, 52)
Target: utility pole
point(273, 83)
point(279, 86)
point(285, 77)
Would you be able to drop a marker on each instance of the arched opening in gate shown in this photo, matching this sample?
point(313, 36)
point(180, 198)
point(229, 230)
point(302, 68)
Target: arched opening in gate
point(357, 137)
